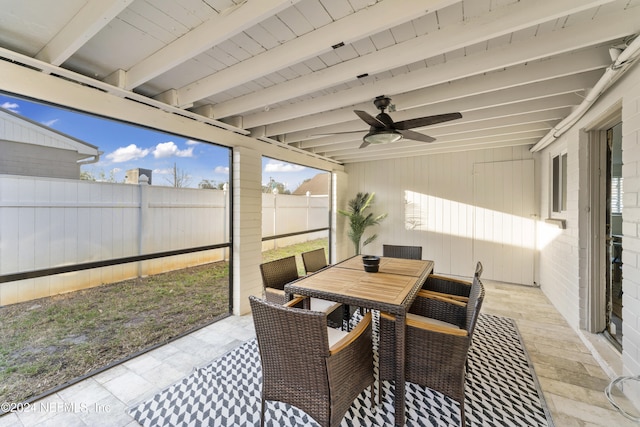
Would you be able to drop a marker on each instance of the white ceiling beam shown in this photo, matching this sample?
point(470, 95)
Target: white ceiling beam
point(365, 22)
point(93, 16)
point(512, 111)
point(478, 120)
point(490, 130)
point(586, 60)
point(506, 139)
point(470, 113)
point(28, 82)
point(489, 104)
point(213, 31)
point(453, 148)
point(511, 95)
point(514, 54)
point(545, 118)
point(499, 22)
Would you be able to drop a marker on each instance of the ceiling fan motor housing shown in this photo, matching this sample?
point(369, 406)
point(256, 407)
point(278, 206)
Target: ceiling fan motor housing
point(382, 102)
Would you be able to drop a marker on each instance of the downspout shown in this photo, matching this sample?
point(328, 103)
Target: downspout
point(621, 64)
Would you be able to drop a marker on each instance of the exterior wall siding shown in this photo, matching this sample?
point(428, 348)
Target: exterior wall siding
point(33, 160)
point(631, 231)
point(444, 185)
point(559, 259)
point(563, 277)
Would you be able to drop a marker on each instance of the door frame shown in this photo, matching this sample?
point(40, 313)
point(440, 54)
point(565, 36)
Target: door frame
point(593, 319)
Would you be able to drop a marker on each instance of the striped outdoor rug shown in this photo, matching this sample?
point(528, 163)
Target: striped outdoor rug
point(501, 390)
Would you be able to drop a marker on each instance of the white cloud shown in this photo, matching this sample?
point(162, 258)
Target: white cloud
point(192, 142)
point(166, 171)
point(130, 152)
point(50, 122)
point(222, 169)
point(283, 167)
point(169, 149)
point(11, 106)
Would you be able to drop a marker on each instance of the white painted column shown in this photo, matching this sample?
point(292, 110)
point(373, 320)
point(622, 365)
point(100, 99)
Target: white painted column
point(247, 227)
point(341, 245)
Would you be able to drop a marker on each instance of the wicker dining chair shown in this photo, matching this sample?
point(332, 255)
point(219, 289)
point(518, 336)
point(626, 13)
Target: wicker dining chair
point(407, 252)
point(437, 344)
point(314, 260)
point(317, 369)
point(277, 273)
point(451, 287)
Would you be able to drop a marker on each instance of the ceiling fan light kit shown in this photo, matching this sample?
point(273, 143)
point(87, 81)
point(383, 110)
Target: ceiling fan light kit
point(382, 137)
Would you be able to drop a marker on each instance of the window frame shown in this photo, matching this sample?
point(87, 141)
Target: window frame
point(558, 184)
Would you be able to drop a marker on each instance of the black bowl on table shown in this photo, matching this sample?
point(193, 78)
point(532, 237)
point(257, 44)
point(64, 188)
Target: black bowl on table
point(371, 263)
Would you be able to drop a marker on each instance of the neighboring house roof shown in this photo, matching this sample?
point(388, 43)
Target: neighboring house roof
point(316, 186)
point(46, 136)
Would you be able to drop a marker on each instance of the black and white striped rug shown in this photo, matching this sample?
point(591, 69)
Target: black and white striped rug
point(501, 390)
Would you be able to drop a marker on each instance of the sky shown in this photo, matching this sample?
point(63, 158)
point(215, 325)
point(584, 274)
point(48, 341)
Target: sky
point(128, 147)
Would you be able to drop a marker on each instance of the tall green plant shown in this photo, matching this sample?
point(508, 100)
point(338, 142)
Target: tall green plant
point(359, 220)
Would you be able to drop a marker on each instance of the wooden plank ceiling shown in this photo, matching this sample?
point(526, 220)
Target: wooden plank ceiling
point(292, 72)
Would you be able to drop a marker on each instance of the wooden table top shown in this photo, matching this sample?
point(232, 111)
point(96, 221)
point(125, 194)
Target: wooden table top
point(348, 283)
point(408, 267)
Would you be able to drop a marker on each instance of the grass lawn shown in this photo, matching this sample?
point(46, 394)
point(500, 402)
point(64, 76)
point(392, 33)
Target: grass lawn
point(49, 342)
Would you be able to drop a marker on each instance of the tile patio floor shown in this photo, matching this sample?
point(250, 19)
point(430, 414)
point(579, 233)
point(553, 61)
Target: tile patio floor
point(571, 378)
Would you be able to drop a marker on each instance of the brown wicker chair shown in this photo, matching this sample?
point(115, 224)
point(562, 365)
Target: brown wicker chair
point(277, 273)
point(314, 260)
point(407, 252)
point(437, 343)
point(450, 287)
point(317, 369)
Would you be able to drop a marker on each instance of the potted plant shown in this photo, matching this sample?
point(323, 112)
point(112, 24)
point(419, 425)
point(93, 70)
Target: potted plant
point(360, 220)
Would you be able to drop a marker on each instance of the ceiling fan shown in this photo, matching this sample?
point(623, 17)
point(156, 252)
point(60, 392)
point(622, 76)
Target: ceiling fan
point(384, 129)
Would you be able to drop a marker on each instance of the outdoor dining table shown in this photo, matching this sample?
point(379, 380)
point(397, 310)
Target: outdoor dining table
point(392, 289)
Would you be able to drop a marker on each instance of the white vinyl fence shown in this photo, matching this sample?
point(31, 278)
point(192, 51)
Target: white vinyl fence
point(285, 213)
point(47, 223)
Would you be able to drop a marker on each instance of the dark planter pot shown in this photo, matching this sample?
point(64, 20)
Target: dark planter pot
point(371, 263)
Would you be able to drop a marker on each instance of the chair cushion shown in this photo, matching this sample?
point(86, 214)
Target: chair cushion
point(323, 306)
point(431, 321)
point(335, 335)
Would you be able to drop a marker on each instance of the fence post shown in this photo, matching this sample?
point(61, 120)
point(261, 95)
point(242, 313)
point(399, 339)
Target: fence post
point(308, 208)
point(275, 210)
point(225, 190)
point(143, 183)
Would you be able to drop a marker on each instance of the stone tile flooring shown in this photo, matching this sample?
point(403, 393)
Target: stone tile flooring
point(572, 381)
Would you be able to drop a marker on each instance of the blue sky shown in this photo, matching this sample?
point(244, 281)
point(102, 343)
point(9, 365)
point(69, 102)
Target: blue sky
point(127, 147)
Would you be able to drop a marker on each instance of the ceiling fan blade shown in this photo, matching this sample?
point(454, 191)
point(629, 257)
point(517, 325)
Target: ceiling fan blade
point(409, 134)
point(426, 121)
point(364, 144)
point(369, 119)
point(339, 133)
